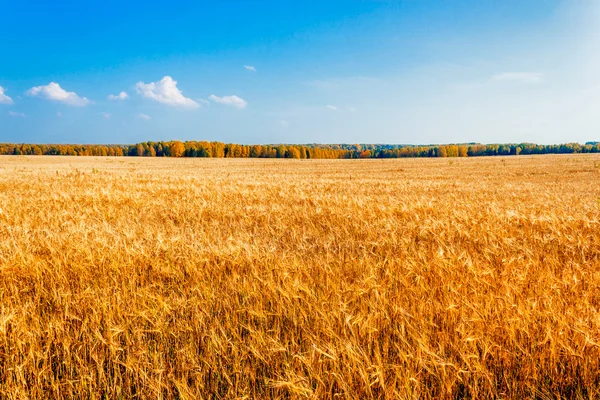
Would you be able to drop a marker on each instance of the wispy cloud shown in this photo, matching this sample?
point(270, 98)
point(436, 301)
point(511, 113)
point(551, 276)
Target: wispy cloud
point(165, 91)
point(233, 101)
point(284, 123)
point(519, 77)
point(54, 92)
point(4, 99)
point(144, 116)
point(332, 108)
point(106, 115)
point(250, 68)
point(120, 96)
point(17, 114)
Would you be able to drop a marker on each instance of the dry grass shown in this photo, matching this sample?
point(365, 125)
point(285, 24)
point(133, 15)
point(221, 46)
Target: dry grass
point(202, 278)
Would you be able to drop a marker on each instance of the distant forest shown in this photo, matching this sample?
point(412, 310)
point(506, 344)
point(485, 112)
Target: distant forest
point(320, 151)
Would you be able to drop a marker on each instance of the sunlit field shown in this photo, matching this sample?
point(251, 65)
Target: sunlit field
point(235, 278)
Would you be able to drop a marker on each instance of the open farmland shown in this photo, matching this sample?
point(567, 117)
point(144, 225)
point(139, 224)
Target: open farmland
point(235, 278)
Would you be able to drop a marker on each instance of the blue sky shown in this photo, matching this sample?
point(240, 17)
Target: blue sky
point(300, 72)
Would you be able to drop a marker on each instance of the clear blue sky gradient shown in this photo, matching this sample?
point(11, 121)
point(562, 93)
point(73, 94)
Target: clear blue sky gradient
point(328, 72)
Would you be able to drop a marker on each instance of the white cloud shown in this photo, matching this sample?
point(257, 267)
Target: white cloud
point(4, 99)
point(120, 96)
point(144, 116)
point(519, 77)
point(250, 68)
point(284, 123)
point(234, 101)
point(352, 109)
point(105, 115)
point(16, 114)
point(54, 92)
point(333, 108)
point(165, 91)
point(59, 114)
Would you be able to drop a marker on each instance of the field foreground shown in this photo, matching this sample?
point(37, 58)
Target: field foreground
point(208, 278)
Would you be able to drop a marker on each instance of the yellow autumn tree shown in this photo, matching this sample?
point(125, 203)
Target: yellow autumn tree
point(176, 149)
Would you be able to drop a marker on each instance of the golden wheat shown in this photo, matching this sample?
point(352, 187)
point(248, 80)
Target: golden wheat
point(207, 278)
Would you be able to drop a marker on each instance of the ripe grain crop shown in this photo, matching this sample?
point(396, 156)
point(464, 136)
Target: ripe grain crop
point(209, 278)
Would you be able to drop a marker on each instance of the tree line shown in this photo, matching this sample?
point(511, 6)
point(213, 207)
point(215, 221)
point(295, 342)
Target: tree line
point(177, 148)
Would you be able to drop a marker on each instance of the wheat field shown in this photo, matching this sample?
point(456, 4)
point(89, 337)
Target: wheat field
point(211, 278)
